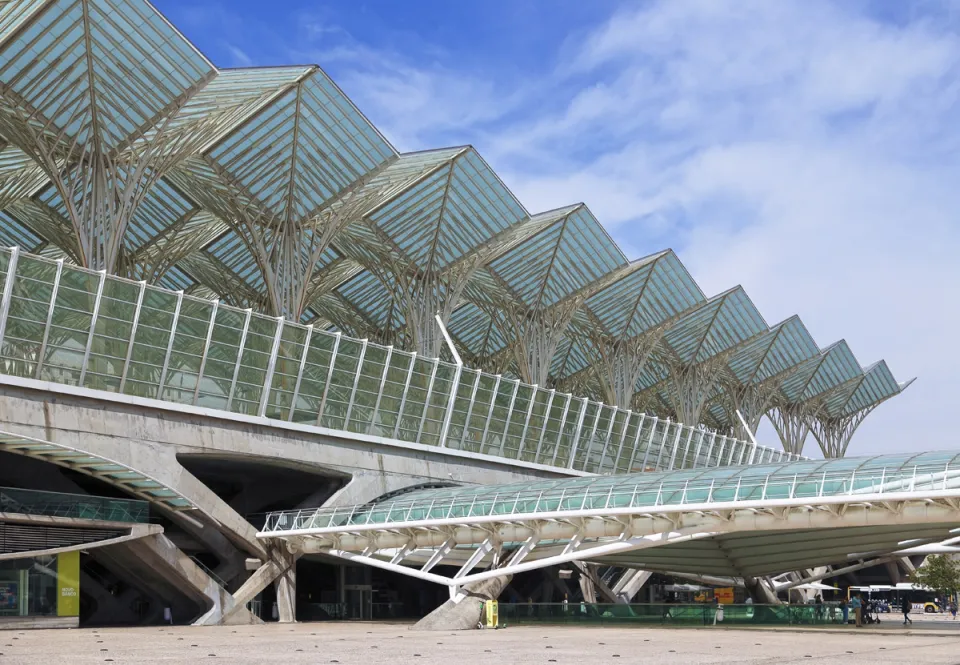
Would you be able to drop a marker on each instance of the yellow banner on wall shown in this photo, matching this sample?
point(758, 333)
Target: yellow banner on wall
point(68, 584)
point(724, 595)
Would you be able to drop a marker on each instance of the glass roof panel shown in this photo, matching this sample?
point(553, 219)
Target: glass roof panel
point(877, 385)
point(14, 14)
point(837, 367)
point(302, 149)
point(140, 66)
point(12, 232)
point(650, 490)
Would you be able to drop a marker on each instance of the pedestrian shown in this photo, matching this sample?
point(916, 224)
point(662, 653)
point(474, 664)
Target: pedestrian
point(819, 607)
point(857, 606)
point(845, 606)
point(168, 616)
point(953, 609)
point(905, 606)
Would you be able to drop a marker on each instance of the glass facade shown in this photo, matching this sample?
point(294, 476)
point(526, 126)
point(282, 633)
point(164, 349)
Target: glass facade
point(80, 506)
point(43, 586)
point(73, 326)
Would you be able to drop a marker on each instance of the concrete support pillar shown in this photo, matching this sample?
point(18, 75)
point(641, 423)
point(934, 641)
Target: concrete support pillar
point(630, 583)
point(760, 592)
point(464, 611)
point(592, 586)
point(286, 585)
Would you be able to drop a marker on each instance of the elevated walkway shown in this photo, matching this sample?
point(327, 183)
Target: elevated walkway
point(744, 522)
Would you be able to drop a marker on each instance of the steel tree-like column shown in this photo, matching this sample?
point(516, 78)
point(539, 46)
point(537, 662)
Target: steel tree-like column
point(690, 386)
point(792, 425)
point(620, 364)
point(834, 433)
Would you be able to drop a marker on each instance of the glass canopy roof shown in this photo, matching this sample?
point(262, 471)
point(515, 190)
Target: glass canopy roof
point(267, 188)
point(807, 479)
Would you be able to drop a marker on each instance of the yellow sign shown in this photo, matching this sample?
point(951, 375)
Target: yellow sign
point(68, 584)
point(491, 614)
point(724, 595)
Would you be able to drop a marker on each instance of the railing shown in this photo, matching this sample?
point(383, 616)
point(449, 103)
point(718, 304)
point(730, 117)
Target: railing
point(80, 506)
point(209, 571)
point(697, 614)
point(805, 480)
point(77, 327)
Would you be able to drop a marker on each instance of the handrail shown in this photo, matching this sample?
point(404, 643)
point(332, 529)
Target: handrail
point(786, 483)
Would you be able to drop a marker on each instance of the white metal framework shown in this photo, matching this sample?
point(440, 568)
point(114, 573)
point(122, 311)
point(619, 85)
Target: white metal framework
point(737, 522)
point(124, 149)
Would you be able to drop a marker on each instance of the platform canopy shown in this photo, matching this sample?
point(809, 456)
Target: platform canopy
point(114, 473)
point(124, 149)
point(731, 521)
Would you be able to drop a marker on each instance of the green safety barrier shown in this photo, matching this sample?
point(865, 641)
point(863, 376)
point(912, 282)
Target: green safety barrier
point(694, 614)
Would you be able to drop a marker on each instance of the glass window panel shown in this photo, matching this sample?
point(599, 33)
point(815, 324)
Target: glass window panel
point(27, 315)
point(314, 378)
point(437, 409)
point(221, 358)
point(111, 339)
point(254, 361)
point(285, 371)
point(367, 388)
point(186, 354)
point(150, 342)
point(70, 326)
point(341, 383)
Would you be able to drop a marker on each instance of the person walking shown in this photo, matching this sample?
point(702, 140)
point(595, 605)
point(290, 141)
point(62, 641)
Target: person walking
point(905, 606)
point(952, 606)
point(818, 610)
point(857, 605)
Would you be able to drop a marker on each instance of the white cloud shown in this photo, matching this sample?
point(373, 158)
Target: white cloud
point(804, 149)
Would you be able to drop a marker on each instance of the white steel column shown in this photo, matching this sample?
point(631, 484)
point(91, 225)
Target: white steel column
point(575, 444)
point(46, 327)
point(493, 403)
point(543, 429)
point(236, 367)
point(383, 383)
point(473, 399)
point(271, 368)
point(133, 334)
point(636, 444)
point(606, 439)
point(653, 433)
point(455, 386)
point(623, 439)
point(8, 291)
point(356, 382)
point(303, 364)
point(713, 436)
point(326, 384)
point(173, 334)
point(526, 421)
point(93, 327)
point(427, 398)
point(206, 349)
point(563, 423)
point(686, 449)
point(506, 425)
point(403, 396)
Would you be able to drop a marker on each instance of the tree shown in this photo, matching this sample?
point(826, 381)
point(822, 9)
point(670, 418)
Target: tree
point(938, 573)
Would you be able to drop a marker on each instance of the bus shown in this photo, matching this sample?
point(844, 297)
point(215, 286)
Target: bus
point(922, 600)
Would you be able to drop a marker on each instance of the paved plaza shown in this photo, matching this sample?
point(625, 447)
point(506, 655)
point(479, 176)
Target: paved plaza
point(364, 644)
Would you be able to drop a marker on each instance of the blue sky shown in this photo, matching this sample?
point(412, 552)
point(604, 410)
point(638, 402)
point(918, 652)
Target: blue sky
point(803, 148)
